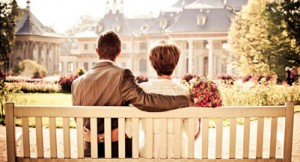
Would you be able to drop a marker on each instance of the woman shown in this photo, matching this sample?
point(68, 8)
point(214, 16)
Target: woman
point(164, 57)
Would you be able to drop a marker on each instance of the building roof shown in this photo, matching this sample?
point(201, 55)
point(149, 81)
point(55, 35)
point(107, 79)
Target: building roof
point(202, 20)
point(181, 3)
point(164, 20)
point(140, 25)
point(30, 25)
point(205, 4)
point(236, 5)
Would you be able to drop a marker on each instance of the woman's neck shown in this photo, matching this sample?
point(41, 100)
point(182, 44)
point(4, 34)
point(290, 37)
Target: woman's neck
point(164, 77)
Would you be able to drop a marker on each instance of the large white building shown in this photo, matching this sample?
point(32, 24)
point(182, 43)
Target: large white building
point(199, 27)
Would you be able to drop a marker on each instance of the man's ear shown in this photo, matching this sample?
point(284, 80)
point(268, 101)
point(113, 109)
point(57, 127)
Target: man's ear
point(97, 50)
point(119, 54)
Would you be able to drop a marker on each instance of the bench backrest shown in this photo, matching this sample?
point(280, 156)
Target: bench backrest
point(232, 113)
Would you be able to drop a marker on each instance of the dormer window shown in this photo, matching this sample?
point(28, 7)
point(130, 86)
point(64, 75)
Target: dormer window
point(163, 23)
point(144, 28)
point(99, 28)
point(201, 19)
point(116, 28)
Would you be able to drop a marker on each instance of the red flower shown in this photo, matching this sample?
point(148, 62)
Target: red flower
point(204, 92)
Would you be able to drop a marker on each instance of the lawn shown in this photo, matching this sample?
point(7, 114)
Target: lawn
point(66, 99)
point(45, 99)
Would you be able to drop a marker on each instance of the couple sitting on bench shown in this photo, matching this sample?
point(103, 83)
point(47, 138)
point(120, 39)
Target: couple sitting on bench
point(106, 84)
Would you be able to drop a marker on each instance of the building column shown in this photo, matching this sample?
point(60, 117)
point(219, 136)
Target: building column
point(210, 57)
point(190, 56)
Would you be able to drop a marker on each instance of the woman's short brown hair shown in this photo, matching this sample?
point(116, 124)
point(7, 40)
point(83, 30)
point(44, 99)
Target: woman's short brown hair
point(109, 45)
point(164, 57)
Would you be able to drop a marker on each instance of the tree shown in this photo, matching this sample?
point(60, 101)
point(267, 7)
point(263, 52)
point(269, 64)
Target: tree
point(9, 12)
point(284, 34)
point(248, 39)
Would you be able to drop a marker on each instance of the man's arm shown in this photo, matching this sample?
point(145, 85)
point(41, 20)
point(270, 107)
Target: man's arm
point(135, 95)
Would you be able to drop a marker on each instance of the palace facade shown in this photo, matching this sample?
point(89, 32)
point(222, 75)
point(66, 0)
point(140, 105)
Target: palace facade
point(199, 27)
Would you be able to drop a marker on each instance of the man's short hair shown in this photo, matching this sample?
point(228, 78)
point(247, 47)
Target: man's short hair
point(164, 57)
point(109, 45)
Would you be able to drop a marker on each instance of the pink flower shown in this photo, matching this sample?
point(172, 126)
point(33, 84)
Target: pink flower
point(204, 92)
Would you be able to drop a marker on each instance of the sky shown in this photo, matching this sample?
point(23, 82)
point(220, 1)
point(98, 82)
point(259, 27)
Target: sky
point(63, 14)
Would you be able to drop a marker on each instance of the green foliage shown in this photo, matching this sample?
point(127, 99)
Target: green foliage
point(9, 13)
point(284, 34)
point(248, 39)
point(81, 71)
point(251, 94)
point(7, 95)
point(65, 81)
point(30, 68)
point(35, 87)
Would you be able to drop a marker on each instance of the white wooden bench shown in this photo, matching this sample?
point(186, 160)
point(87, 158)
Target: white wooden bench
point(261, 113)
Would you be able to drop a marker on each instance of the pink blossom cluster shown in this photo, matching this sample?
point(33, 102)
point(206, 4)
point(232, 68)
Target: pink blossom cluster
point(204, 92)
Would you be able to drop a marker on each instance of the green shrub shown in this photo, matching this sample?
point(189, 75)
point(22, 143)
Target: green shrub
point(258, 94)
point(30, 68)
point(35, 87)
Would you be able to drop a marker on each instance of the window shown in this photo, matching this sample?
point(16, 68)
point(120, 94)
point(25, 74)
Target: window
point(163, 23)
point(86, 46)
point(123, 64)
point(124, 46)
point(201, 19)
point(86, 66)
point(60, 67)
point(70, 67)
point(143, 65)
point(143, 46)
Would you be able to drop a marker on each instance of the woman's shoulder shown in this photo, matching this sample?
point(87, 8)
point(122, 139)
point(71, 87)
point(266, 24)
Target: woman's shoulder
point(163, 87)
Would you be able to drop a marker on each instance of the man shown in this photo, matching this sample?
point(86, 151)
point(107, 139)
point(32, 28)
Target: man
point(109, 85)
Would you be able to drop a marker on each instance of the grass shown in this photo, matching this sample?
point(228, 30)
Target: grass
point(66, 99)
point(46, 99)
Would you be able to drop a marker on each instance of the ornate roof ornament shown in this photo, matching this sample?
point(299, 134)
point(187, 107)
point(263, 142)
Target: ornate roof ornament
point(28, 5)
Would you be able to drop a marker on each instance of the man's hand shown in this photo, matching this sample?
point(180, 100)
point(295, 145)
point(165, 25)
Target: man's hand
point(191, 102)
point(100, 137)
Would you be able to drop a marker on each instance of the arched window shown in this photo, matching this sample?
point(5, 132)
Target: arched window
point(143, 65)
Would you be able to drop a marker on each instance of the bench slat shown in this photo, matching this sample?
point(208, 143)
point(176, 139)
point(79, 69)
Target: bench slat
point(273, 137)
point(39, 137)
point(232, 139)
point(66, 129)
point(191, 137)
point(107, 139)
point(260, 137)
point(178, 132)
point(94, 140)
point(205, 139)
point(163, 138)
point(219, 136)
point(117, 112)
point(26, 142)
point(53, 141)
point(80, 141)
point(288, 138)
point(149, 138)
point(121, 137)
point(135, 138)
point(246, 138)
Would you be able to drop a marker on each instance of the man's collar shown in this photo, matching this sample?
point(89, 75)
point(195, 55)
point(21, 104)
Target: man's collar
point(100, 61)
